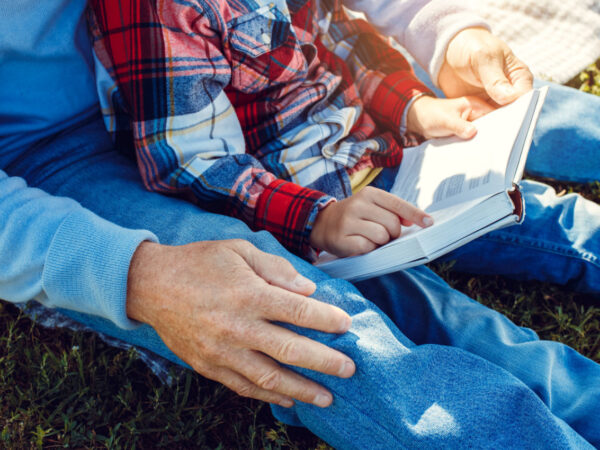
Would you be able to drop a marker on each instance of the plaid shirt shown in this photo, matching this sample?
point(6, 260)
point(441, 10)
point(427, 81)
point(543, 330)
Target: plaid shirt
point(259, 109)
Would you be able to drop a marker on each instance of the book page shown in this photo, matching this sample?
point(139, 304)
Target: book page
point(444, 172)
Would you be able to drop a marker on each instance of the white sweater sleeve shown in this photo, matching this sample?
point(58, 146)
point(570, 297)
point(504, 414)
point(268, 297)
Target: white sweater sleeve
point(423, 27)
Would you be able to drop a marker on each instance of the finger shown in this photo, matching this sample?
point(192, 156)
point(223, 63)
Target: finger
point(491, 71)
point(267, 375)
point(390, 221)
point(355, 245)
point(519, 75)
point(460, 127)
point(244, 387)
point(277, 271)
point(293, 349)
point(373, 231)
point(279, 305)
point(401, 207)
point(475, 107)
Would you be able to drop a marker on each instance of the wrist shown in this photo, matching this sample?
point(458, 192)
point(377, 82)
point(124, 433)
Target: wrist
point(318, 234)
point(414, 116)
point(142, 281)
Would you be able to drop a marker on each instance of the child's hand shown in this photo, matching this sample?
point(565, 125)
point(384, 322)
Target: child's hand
point(363, 222)
point(439, 117)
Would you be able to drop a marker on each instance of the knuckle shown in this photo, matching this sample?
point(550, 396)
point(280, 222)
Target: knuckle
point(283, 264)
point(482, 53)
point(229, 332)
point(211, 353)
point(367, 191)
point(396, 227)
point(365, 246)
point(270, 381)
point(245, 390)
point(204, 369)
point(331, 365)
point(290, 351)
point(301, 312)
point(382, 236)
point(242, 246)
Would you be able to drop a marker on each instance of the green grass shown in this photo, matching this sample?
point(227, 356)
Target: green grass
point(60, 388)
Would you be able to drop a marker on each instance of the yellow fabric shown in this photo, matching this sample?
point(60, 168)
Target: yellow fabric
point(362, 178)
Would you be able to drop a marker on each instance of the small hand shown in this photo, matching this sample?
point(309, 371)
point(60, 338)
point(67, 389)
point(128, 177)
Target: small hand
point(363, 222)
point(214, 305)
point(435, 117)
point(479, 63)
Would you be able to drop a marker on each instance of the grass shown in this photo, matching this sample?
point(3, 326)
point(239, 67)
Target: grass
point(60, 388)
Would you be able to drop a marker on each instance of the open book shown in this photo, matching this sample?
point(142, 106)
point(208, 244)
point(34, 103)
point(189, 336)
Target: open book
point(468, 187)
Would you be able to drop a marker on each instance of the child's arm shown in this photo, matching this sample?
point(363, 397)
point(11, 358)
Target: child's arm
point(161, 72)
point(433, 117)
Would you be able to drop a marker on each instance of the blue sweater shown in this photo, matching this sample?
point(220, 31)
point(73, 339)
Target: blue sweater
point(51, 248)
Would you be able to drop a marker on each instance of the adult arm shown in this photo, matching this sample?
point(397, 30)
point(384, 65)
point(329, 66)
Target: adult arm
point(455, 45)
point(423, 27)
point(55, 251)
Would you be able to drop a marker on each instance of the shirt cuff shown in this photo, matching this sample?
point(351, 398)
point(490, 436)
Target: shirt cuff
point(87, 265)
point(431, 30)
point(288, 211)
point(393, 97)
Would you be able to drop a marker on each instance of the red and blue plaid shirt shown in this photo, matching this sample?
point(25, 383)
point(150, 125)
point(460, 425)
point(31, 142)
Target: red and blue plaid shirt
point(256, 109)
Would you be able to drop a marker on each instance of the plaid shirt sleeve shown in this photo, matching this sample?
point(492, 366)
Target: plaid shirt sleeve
point(386, 81)
point(161, 74)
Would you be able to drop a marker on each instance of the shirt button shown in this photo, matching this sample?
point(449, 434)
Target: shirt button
point(266, 38)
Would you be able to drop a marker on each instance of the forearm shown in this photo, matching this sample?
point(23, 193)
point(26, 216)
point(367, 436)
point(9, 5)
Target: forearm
point(239, 186)
point(55, 251)
point(423, 27)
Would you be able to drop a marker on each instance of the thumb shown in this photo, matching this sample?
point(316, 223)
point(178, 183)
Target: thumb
point(277, 271)
point(495, 82)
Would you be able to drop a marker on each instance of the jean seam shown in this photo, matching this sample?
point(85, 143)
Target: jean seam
point(557, 250)
point(364, 414)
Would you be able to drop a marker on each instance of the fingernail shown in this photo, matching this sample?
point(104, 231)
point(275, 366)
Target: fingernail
point(323, 400)
point(347, 370)
point(427, 221)
point(286, 403)
point(302, 283)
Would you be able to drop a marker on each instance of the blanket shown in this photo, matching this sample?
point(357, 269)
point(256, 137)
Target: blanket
point(556, 38)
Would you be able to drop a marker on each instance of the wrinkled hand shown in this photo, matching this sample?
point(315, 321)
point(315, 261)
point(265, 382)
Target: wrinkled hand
point(363, 222)
point(213, 304)
point(436, 117)
point(479, 63)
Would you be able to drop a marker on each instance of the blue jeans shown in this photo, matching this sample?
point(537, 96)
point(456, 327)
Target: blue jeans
point(434, 368)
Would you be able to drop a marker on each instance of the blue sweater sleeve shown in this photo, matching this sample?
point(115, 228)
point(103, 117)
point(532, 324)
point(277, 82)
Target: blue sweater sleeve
point(64, 256)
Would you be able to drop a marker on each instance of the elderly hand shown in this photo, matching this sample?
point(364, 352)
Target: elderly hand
point(214, 304)
point(479, 63)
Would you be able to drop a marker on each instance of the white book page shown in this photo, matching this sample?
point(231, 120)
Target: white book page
point(444, 172)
